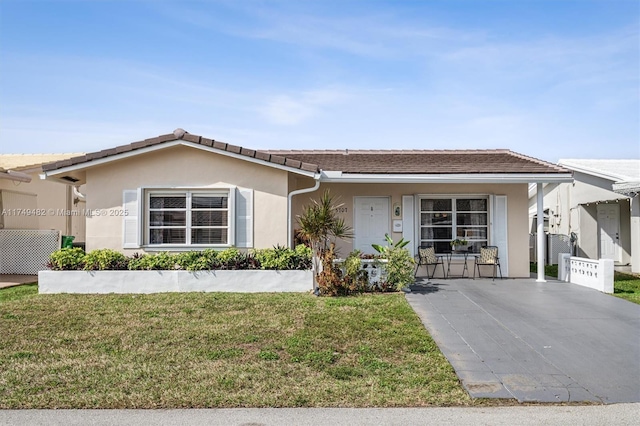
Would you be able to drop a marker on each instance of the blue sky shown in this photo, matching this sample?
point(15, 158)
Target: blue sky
point(550, 79)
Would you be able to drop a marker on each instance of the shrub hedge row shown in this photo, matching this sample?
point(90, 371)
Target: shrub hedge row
point(281, 258)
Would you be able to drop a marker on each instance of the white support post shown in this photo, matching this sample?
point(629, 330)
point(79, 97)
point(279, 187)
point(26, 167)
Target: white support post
point(635, 234)
point(540, 243)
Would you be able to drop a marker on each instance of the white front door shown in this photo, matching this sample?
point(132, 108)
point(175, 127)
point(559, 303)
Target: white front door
point(371, 222)
point(609, 231)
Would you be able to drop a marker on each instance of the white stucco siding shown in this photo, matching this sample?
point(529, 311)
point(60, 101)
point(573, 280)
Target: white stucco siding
point(188, 168)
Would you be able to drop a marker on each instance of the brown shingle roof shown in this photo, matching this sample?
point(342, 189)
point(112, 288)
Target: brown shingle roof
point(500, 161)
point(424, 161)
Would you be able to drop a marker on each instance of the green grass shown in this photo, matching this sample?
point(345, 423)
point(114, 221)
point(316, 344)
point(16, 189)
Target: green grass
point(549, 270)
point(218, 350)
point(18, 292)
point(627, 287)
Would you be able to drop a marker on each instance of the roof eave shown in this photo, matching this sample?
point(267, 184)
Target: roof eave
point(628, 188)
point(590, 171)
point(119, 156)
point(338, 177)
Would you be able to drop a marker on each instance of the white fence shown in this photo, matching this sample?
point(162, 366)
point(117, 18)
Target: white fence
point(596, 274)
point(26, 251)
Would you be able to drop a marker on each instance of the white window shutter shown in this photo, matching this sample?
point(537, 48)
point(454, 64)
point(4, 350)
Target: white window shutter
point(499, 231)
point(131, 203)
point(408, 223)
point(244, 217)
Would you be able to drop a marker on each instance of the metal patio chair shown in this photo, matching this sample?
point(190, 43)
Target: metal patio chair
point(427, 257)
point(488, 257)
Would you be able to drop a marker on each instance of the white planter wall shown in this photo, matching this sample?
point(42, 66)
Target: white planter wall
point(376, 269)
point(253, 281)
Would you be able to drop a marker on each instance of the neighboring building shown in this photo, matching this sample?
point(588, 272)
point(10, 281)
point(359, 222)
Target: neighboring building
point(600, 207)
point(33, 203)
point(182, 192)
point(34, 213)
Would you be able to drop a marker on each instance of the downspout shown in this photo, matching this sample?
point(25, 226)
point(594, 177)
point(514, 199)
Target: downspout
point(69, 206)
point(290, 207)
point(77, 194)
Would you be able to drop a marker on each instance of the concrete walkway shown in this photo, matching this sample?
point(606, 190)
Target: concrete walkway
point(546, 342)
point(11, 280)
point(596, 415)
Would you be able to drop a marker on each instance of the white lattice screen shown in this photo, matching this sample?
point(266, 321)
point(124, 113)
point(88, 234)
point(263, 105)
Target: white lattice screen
point(25, 251)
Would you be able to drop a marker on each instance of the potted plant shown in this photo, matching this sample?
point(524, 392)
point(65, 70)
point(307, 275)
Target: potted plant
point(457, 244)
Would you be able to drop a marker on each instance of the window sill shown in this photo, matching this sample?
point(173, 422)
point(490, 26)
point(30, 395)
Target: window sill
point(169, 247)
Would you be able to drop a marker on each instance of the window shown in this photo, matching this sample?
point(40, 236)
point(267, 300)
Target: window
point(445, 219)
point(188, 218)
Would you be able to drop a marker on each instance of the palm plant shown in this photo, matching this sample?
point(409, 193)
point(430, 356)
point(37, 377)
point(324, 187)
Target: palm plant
point(321, 226)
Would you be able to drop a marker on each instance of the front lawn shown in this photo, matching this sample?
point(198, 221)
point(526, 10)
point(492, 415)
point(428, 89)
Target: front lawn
point(627, 287)
point(18, 292)
point(218, 350)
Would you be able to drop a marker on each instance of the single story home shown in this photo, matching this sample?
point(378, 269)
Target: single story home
point(601, 208)
point(181, 191)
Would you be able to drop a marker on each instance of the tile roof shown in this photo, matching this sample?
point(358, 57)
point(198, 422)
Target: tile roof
point(30, 161)
point(180, 134)
point(353, 161)
point(424, 161)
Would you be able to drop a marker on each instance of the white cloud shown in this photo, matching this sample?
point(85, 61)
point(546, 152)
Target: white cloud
point(285, 110)
point(288, 110)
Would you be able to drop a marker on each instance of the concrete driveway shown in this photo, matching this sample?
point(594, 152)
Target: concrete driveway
point(547, 342)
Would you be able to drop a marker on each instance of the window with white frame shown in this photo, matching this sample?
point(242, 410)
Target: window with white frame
point(443, 220)
point(188, 218)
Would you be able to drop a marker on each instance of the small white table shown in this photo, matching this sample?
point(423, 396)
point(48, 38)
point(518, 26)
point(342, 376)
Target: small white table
point(458, 258)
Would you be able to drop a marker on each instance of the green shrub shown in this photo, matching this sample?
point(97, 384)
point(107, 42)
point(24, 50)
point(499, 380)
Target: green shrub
point(270, 258)
point(283, 258)
point(302, 259)
point(67, 259)
point(187, 260)
point(356, 279)
point(399, 267)
point(208, 260)
point(234, 259)
point(153, 262)
point(198, 260)
point(105, 259)
point(229, 256)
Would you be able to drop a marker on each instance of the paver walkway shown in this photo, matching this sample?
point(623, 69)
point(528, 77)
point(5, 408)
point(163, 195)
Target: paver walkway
point(547, 342)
